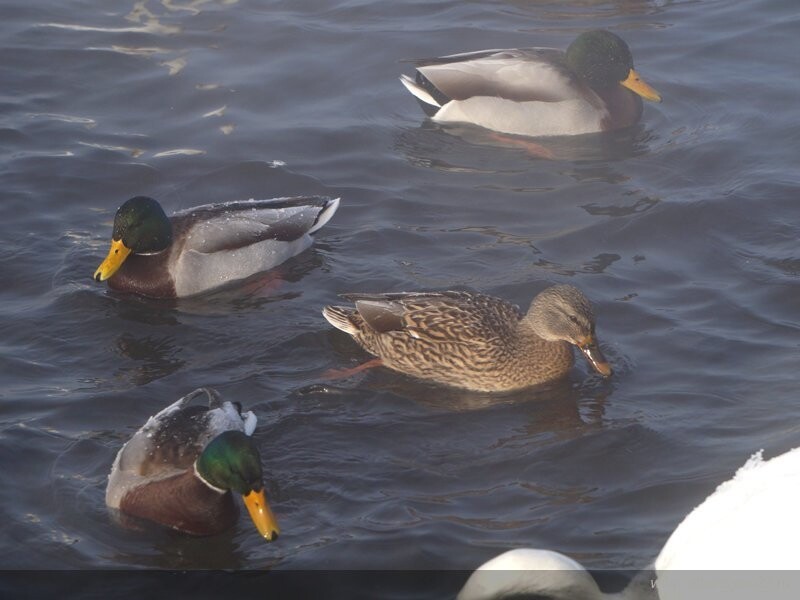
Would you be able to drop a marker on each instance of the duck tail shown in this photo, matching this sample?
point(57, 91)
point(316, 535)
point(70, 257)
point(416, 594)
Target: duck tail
point(325, 214)
point(340, 317)
point(429, 103)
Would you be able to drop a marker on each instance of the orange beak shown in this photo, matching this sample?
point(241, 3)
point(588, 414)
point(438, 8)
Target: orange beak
point(260, 512)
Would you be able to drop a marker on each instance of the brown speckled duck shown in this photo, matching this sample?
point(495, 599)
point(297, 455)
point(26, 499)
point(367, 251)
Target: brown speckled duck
point(474, 341)
point(589, 88)
point(180, 468)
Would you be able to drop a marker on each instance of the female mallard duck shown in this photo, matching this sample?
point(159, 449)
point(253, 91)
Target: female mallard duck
point(205, 247)
point(536, 91)
point(473, 341)
point(180, 468)
point(748, 524)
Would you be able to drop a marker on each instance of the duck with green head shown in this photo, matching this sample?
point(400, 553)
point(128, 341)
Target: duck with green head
point(206, 247)
point(589, 88)
point(181, 468)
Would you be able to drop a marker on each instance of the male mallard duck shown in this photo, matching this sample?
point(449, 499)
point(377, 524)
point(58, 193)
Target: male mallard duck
point(202, 248)
point(749, 524)
point(536, 91)
point(473, 341)
point(180, 468)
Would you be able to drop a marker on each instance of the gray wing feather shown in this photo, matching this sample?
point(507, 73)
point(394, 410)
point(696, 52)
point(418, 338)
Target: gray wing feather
point(228, 226)
point(521, 75)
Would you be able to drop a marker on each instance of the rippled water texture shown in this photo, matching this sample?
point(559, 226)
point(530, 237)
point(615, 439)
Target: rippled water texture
point(682, 231)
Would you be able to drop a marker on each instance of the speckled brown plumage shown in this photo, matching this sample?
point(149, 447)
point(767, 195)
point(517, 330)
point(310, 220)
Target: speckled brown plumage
point(471, 340)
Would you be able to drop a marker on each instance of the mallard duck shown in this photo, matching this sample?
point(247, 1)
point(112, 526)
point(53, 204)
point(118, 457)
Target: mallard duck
point(471, 340)
point(748, 524)
point(180, 468)
point(202, 248)
point(536, 91)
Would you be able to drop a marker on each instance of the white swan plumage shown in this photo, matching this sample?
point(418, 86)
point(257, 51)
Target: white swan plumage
point(748, 528)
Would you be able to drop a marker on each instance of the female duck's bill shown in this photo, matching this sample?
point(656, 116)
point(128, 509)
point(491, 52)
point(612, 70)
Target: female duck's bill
point(591, 350)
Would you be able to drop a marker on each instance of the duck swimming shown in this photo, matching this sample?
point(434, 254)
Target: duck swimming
point(473, 341)
point(206, 247)
point(180, 468)
point(591, 87)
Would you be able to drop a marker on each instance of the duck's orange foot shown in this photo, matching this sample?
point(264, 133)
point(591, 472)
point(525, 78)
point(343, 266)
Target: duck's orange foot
point(342, 373)
point(265, 285)
point(531, 148)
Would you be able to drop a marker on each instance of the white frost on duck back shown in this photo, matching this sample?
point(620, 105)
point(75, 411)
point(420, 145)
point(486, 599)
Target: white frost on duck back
point(126, 471)
point(250, 422)
point(234, 227)
point(238, 244)
point(225, 418)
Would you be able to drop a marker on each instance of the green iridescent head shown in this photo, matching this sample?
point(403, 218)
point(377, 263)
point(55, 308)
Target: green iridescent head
point(231, 462)
point(600, 57)
point(603, 59)
point(140, 227)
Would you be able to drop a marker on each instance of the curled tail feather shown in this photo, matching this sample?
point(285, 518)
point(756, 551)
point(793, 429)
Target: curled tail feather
point(340, 317)
point(331, 204)
point(429, 98)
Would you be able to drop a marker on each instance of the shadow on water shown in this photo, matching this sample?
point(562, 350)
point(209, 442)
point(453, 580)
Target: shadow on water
point(153, 357)
point(597, 264)
point(556, 402)
point(161, 548)
point(574, 402)
point(462, 148)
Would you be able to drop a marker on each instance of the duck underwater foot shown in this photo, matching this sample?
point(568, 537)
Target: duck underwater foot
point(531, 148)
point(344, 373)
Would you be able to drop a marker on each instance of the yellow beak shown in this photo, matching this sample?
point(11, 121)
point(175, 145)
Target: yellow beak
point(261, 514)
point(116, 256)
point(637, 85)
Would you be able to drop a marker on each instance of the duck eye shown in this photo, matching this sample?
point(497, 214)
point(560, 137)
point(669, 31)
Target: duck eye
point(573, 318)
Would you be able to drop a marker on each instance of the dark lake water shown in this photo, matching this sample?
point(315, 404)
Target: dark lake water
point(682, 231)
